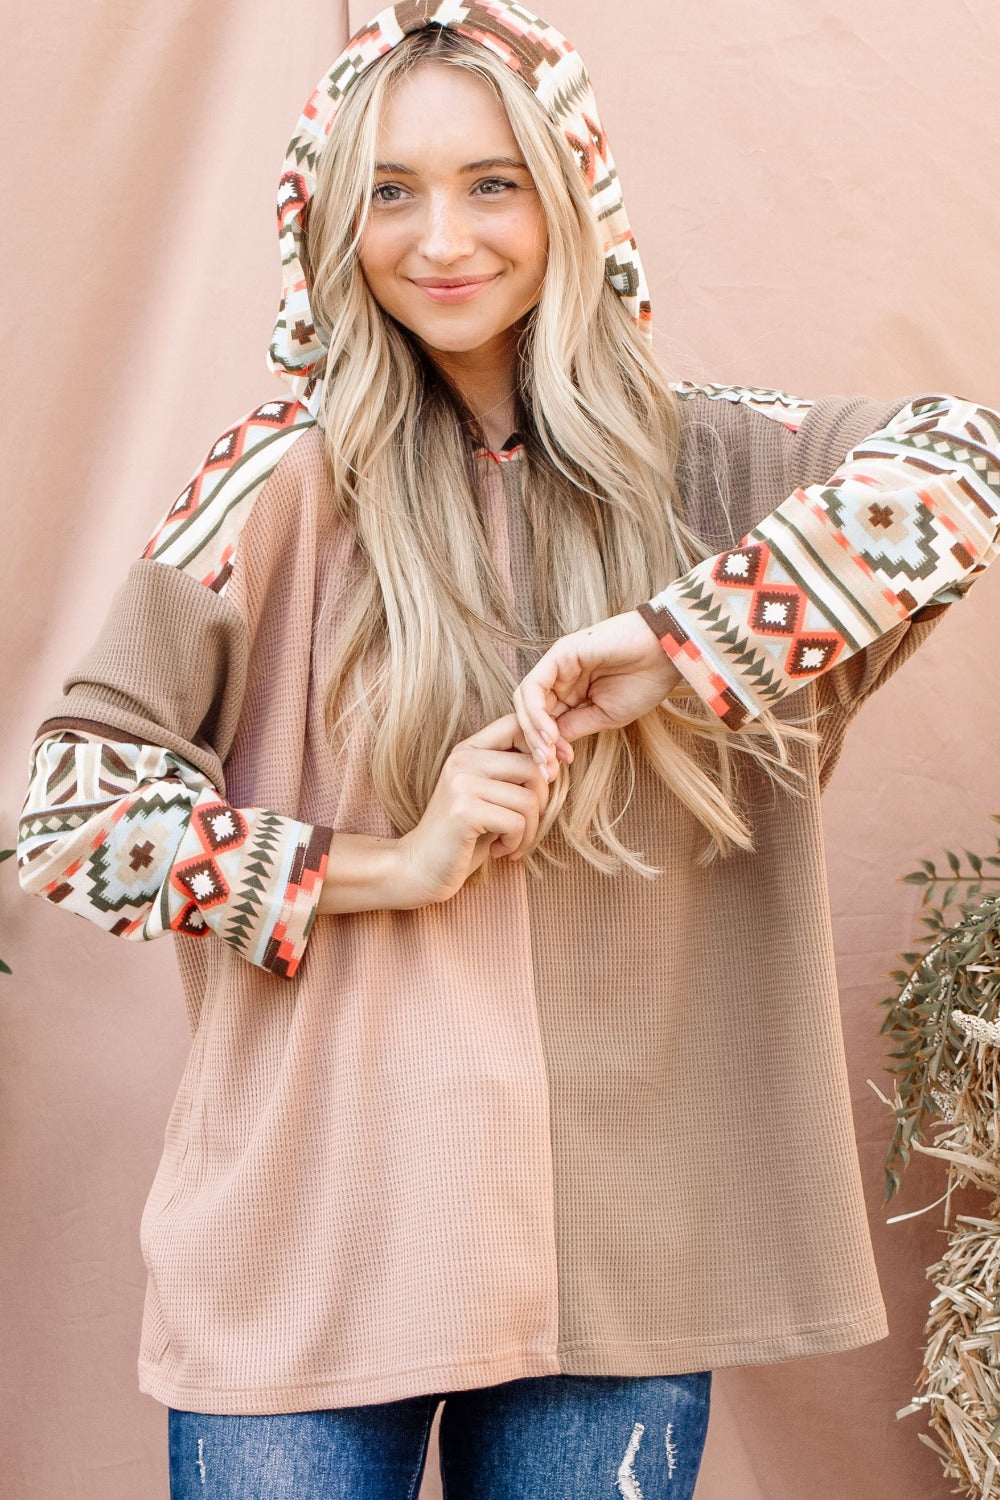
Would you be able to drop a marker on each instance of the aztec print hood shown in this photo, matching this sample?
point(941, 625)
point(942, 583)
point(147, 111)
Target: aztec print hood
point(530, 47)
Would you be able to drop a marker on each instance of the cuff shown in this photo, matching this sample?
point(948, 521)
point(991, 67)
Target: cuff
point(702, 671)
point(252, 877)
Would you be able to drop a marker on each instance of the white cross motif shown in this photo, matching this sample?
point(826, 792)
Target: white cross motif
point(223, 826)
point(775, 614)
point(202, 886)
point(221, 447)
point(812, 657)
point(737, 566)
point(287, 191)
point(272, 409)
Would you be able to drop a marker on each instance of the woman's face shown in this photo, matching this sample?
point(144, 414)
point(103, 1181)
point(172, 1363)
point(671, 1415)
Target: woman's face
point(454, 247)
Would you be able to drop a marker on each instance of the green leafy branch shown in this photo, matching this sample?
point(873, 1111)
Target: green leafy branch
point(955, 968)
point(975, 878)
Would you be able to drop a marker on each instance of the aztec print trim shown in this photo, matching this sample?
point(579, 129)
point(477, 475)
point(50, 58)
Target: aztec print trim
point(531, 48)
point(511, 449)
point(779, 406)
point(200, 533)
point(910, 519)
point(137, 840)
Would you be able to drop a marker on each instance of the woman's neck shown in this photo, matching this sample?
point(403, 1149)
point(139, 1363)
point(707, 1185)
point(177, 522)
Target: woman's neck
point(486, 380)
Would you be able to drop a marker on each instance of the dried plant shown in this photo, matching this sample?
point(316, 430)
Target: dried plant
point(945, 1022)
point(959, 970)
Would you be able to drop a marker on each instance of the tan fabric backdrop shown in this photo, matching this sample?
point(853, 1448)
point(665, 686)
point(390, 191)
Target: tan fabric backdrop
point(814, 186)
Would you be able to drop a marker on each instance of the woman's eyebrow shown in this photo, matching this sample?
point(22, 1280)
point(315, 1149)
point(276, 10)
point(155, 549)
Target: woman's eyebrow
point(495, 161)
point(402, 170)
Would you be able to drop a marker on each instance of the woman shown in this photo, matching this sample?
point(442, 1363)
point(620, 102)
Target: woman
point(464, 1117)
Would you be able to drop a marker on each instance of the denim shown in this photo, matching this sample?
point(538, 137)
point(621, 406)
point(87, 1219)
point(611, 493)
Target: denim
point(556, 1437)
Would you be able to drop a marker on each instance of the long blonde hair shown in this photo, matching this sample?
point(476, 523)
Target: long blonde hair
point(421, 664)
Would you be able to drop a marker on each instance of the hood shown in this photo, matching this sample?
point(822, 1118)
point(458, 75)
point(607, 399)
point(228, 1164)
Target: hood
point(530, 47)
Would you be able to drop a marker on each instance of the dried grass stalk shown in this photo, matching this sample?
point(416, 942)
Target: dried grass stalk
point(959, 1383)
point(944, 1022)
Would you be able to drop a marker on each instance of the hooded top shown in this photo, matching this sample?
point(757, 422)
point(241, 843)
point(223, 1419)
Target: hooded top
point(554, 72)
point(577, 1125)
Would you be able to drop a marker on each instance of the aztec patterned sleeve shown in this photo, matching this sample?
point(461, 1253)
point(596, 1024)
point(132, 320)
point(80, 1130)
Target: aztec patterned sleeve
point(124, 822)
point(908, 521)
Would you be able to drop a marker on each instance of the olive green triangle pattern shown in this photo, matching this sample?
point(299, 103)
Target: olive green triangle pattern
point(730, 642)
point(254, 876)
point(250, 901)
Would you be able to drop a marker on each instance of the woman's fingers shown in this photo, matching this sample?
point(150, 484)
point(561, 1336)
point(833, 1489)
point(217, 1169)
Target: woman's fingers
point(556, 683)
point(601, 677)
point(520, 825)
point(576, 724)
point(487, 802)
point(496, 789)
point(506, 813)
point(501, 765)
point(500, 734)
point(499, 749)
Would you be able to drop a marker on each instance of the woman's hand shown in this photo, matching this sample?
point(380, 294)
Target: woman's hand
point(602, 677)
point(488, 801)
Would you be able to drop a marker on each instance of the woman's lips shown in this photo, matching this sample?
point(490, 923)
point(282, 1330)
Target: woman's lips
point(461, 289)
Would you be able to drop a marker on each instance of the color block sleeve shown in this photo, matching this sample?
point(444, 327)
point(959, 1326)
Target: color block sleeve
point(136, 839)
point(909, 520)
point(126, 820)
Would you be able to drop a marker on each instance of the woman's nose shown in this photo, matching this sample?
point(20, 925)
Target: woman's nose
point(446, 233)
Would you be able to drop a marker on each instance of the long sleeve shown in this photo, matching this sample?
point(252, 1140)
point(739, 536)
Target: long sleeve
point(126, 821)
point(906, 524)
point(139, 841)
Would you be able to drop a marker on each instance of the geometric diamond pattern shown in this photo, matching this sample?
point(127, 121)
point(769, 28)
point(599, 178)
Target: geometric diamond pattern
point(910, 518)
point(776, 611)
point(163, 852)
point(220, 826)
point(740, 567)
point(899, 539)
point(776, 406)
point(201, 531)
point(191, 922)
point(812, 654)
point(202, 881)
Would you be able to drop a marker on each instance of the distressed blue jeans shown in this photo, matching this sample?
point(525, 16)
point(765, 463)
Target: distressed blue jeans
point(556, 1437)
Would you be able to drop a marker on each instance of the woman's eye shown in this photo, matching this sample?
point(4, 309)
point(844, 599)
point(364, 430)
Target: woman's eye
point(491, 187)
point(387, 192)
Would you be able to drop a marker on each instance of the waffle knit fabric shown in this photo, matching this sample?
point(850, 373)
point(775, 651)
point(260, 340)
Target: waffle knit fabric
point(580, 1125)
